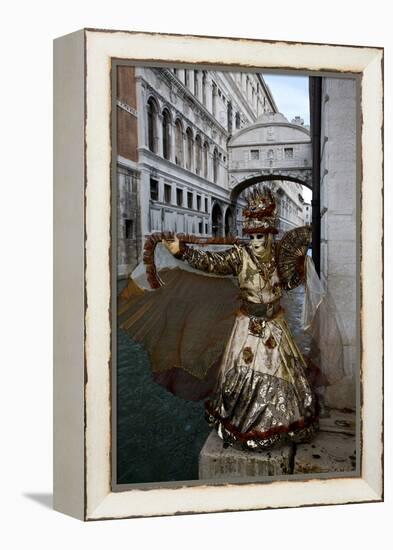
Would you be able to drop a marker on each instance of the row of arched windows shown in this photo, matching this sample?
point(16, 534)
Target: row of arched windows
point(199, 79)
point(201, 94)
point(193, 154)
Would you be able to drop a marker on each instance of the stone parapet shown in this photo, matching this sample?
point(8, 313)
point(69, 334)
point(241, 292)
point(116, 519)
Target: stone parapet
point(333, 449)
point(217, 462)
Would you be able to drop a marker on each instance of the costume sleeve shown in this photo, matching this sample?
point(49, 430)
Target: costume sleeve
point(227, 262)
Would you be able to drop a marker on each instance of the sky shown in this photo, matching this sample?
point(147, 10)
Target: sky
point(291, 96)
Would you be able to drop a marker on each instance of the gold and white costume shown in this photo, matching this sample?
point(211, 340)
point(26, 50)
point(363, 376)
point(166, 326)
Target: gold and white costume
point(207, 337)
point(262, 395)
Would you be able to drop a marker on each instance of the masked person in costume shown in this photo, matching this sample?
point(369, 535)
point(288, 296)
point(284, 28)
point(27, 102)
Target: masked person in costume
point(262, 395)
point(207, 337)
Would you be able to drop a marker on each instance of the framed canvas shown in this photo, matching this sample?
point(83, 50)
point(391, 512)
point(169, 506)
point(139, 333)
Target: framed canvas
point(162, 137)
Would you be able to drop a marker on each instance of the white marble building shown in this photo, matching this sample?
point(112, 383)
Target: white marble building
point(183, 157)
point(185, 118)
point(200, 134)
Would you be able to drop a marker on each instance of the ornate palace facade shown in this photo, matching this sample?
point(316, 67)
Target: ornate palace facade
point(174, 127)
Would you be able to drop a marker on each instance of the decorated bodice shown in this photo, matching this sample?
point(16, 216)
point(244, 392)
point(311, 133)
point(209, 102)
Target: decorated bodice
point(258, 281)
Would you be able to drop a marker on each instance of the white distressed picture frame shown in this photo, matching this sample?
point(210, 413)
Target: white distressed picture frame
point(82, 363)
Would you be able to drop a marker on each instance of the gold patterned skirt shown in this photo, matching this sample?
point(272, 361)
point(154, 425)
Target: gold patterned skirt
point(262, 396)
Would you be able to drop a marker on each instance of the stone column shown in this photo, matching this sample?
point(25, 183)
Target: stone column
point(222, 223)
point(191, 81)
point(214, 101)
point(159, 139)
point(204, 162)
point(338, 223)
point(145, 202)
point(183, 149)
point(193, 153)
point(180, 75)
point(209, 209)
point(209, 165)
point(161, 190)
point(209, 105)
point(142, 113)
point(199, 85)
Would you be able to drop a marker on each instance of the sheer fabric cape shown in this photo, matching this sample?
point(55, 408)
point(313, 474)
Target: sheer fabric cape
point(185, 324)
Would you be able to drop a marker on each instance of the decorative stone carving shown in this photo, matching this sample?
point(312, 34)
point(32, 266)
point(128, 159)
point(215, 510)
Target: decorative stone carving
point(127, 108)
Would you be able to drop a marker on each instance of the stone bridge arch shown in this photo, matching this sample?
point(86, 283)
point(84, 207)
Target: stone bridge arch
point(239, 187)
point(272, 148)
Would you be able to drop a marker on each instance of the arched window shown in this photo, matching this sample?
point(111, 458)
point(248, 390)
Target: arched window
point(198, 155)
point(166, 125)
point(205, 159)
point(237, 120)
point(189, 146)
point(204, 87)
point(186, 78)
point(216, 221)
point(179, 143)
point(229, 229)
point(215, 165)
point(152, 115)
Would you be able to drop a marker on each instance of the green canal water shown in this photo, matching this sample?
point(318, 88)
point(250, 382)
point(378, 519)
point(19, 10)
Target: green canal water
point(159, 436)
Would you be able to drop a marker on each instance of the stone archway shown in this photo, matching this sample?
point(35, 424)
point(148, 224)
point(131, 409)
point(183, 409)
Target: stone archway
point(217, 219)
point(239, 187)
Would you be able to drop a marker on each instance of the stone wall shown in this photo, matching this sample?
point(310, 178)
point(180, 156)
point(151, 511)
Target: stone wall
point(338, 221)
point(129, 252)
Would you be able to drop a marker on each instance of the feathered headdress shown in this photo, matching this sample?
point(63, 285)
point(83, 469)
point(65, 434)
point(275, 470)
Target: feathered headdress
point(260, 213)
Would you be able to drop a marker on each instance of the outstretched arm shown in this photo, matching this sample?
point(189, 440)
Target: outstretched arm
point(227, 262)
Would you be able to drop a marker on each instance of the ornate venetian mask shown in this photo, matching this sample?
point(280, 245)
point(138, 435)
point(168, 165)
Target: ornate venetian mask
point(259, 242)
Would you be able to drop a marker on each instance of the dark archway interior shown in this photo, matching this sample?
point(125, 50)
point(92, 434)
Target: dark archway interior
point(229, 222)
point(216, 221)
